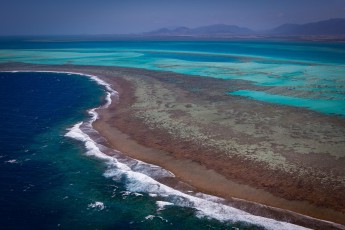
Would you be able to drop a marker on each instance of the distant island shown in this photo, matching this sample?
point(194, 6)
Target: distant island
point(329, 27)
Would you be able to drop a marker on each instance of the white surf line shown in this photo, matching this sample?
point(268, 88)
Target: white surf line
point(205, 207)
point(139, 182)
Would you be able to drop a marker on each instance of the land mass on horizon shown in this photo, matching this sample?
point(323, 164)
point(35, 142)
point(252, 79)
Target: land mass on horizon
point(327, 27)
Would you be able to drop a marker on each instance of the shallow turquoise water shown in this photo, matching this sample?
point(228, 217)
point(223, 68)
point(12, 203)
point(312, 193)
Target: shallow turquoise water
point(311, 71)
point(323, 106)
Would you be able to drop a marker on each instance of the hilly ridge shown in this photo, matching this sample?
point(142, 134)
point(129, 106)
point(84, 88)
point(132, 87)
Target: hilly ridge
point(218, 29)
point(326, 27)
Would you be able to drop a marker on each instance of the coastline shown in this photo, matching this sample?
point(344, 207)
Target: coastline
point(117, 131)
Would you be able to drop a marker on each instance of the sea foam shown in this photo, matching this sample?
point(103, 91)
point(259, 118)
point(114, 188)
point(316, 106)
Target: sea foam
point(97, 205)
point(139, 182)
point(161, 205)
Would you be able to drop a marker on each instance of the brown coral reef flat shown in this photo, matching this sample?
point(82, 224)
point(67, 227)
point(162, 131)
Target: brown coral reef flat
point(229, 146)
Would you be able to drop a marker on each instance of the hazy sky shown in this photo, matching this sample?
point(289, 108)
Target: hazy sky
point(134, 16)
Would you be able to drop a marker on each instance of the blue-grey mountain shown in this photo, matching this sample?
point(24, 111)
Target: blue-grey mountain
point(327, 27)
point(218, 29)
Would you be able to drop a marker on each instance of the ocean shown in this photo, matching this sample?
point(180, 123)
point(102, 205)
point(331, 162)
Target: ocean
point(295, 73)
point(56, 174)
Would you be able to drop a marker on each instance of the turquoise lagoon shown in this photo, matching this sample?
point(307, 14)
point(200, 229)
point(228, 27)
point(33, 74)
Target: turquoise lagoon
point(303, 74)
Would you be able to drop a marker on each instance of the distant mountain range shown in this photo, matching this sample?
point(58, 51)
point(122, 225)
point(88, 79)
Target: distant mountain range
point(219, 29)
point(327, 27)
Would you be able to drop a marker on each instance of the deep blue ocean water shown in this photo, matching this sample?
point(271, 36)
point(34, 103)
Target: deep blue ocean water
point(310, 71)
point(51, 181)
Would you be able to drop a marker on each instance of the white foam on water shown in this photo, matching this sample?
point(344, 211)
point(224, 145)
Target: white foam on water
point(161, 204)
point(94, 115)
point(149, 169)
point(205, 208)
point(91, 146)
point(149, 217)
point(137, 194)
point(13, 161)
point(136, 182)
point(97, 205)
point(153, 195)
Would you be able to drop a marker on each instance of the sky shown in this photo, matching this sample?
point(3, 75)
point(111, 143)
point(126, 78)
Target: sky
point(62, 17)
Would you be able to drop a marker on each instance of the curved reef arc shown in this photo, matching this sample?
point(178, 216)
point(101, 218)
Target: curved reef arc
point(103, 115)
